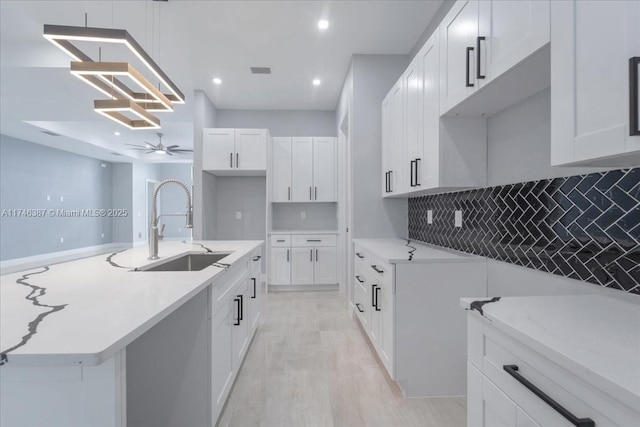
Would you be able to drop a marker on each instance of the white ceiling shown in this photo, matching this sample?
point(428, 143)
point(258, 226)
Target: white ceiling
point(193, 41)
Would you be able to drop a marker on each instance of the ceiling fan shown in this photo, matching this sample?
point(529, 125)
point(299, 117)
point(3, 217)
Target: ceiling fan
point(159, 149)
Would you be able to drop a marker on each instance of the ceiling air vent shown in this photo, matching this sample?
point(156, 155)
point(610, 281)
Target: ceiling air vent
point(260, 70)
point(48, 132)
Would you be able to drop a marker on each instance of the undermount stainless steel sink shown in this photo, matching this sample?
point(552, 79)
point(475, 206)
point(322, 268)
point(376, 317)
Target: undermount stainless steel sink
point(188, 262)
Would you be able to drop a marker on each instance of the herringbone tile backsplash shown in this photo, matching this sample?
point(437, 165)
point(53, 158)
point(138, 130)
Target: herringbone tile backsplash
point(585, 227)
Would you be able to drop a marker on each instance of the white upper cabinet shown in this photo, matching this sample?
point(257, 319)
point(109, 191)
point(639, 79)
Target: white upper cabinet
point(509, 31)
point(218, 149)
point(458, 35)
point(281, 170)
point(483, 40)
point(393, 141)
point(412, 147)
point(302, 170)
point(324, 170)
point(428, 168)
point(592, 87)
point(235, 151)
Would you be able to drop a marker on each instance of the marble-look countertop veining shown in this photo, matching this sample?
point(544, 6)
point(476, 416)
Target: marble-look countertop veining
point(595, 337)
point(399, 251)
point(303, 232)
point(84, 311)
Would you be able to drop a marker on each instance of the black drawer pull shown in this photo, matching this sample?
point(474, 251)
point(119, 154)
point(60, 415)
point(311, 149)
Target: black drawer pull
point(375, 267)
point(280, 241)
point(373, 296)
point(254, 287)
point(468, 83)
point(634, 126)
point(257, 257)
point(578, 422)
point(359, 255)
point(241, 307)
point(359, 279)
point(359, 309)
point(377, 299)
point(479, 74)
point(237, 319)
point(314, 240)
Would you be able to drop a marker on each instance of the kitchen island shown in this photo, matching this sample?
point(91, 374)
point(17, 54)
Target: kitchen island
point(66, 331)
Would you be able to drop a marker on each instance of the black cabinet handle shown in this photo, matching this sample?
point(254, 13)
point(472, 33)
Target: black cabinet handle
point(231, 160)
point(280, 240)
point(417, 184)
point(288, 193)
point(314, 240)
point(257, 257)
point(413, 162)
point(237, 319)
point(375, 267)
point(241, 307)
point(468, 72)
point(316, 255)
point(634, 126)
point(316, 190)
point(237, 159)
point(578, 422)
point(311, 255)
point(390, 182)
point(359, 309)
point(359, 279)
point(254, 288)
point(287, 255)
point(359, 255)
point(377, 300)
point(479, 75)
point(373, 296)
point(310, 198)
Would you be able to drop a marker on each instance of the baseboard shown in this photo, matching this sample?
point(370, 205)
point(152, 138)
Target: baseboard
point(19, 264)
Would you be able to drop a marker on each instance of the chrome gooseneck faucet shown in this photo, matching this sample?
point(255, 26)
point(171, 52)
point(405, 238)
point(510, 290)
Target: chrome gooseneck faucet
point(153, 232)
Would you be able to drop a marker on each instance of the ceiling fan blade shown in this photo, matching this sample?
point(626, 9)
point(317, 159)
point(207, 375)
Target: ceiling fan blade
point(171, 147)
point(138, 149)
point(168, 153)
point(182, 151)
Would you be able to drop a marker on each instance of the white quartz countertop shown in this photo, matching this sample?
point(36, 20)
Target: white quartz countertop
point(595, 337)
point(396, 251)
point(303, 232)
point(84, 311)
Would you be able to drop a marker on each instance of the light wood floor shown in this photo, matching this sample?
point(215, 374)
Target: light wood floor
point(310, 365)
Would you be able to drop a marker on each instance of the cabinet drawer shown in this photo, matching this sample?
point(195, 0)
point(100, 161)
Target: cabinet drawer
point(314, 240)
point(280, 240)
point(568, 390)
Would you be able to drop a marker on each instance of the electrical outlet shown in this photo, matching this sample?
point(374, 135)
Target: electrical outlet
point(458, 219)
point(429, 217)
point(303, 215)
point(238, 215)
point(62, 240)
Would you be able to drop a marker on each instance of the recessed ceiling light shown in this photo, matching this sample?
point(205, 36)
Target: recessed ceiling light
point(217, 81)
point(116, 133)
point(316, 82)
point(323, 24)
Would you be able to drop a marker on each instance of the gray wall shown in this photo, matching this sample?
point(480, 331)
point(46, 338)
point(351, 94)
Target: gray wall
point(204, 116)
point(123, 199)
point(244, 194)
point(519, 143)
point(28, 174)
point(373, 77)
point(173, 199)
point(281, 122)
point(318, 216)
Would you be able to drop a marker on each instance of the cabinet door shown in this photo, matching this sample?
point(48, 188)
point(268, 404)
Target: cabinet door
point(281, 170)
point(240, 326)
point(325, 268)
point(302, 266)
point(590, 115)
point(513, 30)
point(497, 409)
point(280, 266)
point(385, 303)
point(324, 170)
point(301, 169)
point(458, 35)
point(251, 149)
point(429, 165)
point(412, 147)
point(376, 316)
point(255, 301)
point(221, 356)
point(398, 182)
point(218, 152)
point(386, 144)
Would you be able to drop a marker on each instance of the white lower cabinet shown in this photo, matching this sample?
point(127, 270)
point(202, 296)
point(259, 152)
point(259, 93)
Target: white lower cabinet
point(502, 373)
point(221, 356)
point(303, 259)
point(408, 311)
